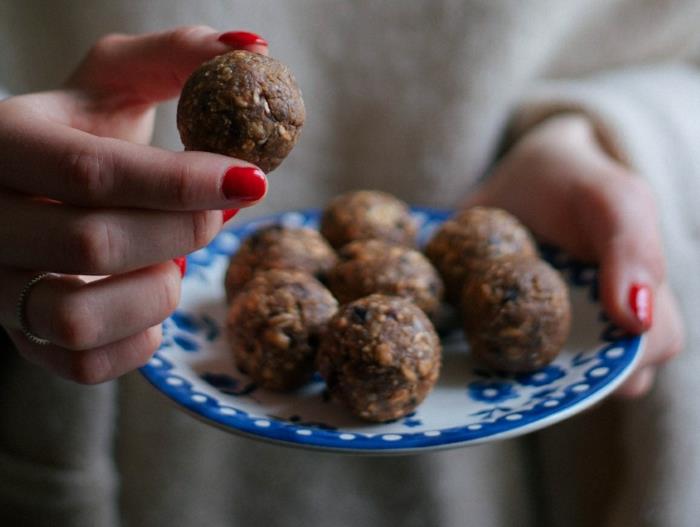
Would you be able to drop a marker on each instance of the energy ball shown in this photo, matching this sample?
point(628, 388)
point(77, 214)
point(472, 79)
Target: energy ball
point(380, 357)
point(472, 238)
point(375, 266)
point(244, 105)
point(274, 327)
point(516, 313)
point(367, 214)
point(279, 247)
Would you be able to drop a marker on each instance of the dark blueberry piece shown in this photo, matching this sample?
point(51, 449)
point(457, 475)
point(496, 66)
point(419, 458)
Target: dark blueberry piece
point(359, 314)
point(511, 294)
point(314, 341)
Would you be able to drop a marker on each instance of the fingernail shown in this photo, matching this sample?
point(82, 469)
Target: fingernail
point(181, 262)
point(641, 302)
point(244, 184)
point(241, 39)
point(228, 214)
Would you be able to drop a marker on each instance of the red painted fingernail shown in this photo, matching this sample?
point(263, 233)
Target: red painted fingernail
point(228, 214)
point(244, 184)
point(641, 303)
point(181, 262)
point(241, 39)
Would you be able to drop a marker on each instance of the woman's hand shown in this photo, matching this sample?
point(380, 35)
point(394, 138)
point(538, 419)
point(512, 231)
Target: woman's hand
point(81, 194)
point(562, 184)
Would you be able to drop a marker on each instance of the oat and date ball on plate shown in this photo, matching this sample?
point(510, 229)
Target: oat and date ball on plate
point(376, 266)
point(471, 238)
point(244, 105)
point(279, 247)
point(516, 313)
point(367, 214)
point(274, 326)
point(380, 357)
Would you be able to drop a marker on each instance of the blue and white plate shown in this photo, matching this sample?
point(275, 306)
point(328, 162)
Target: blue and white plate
point(469, 405)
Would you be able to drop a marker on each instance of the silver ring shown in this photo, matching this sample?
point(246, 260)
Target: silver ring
point(21, 308)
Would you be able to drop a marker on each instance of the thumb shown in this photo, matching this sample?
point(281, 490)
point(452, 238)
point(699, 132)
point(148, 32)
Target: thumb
point(629, 250)
point(153, 67)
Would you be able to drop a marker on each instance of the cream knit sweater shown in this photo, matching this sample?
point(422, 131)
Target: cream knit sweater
point(413, 97)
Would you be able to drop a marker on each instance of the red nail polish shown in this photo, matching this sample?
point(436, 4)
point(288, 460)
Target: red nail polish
point(242, 39)
point(244, 184)
point(181, 262)
point(228, 214)
point(641, 303)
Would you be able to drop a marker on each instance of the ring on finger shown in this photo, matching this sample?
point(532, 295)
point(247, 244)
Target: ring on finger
point(22, 308)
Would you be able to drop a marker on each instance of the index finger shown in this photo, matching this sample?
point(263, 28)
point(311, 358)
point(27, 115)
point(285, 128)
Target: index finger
point(49, 159)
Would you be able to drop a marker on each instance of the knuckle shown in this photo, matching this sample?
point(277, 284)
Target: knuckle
point(203, 228)
point(86, 173)
point(89, 367)
point(182, 36)
point(183, 187)
point(71, 325)
point(105, 45)
point(94, 245)
point(597, 199)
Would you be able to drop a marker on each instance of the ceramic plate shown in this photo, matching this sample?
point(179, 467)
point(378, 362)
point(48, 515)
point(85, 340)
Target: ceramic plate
point(469, 405)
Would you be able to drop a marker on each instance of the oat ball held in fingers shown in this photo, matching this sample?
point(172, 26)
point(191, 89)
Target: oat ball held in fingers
point(367, 214)
point(244, 105)
point(517, 314)
point(470, 239)
point(380, 357)
point(376, 266)
point(274, 327)
point(279, 247)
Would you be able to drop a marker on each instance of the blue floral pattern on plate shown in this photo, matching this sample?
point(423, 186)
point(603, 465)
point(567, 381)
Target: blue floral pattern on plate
point(469, 405)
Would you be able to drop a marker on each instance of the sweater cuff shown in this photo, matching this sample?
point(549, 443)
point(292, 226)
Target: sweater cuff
point(647, 118)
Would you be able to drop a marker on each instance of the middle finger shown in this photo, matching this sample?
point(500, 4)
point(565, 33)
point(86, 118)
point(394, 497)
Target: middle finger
point(74, 240)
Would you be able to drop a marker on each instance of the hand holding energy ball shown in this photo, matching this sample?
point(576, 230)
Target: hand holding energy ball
point(561, 183)
point(81, 194)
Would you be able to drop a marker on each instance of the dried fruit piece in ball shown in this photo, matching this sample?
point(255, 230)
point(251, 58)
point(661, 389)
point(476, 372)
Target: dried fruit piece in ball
point(367, 214)
point(279, 247)
point(471, 239)
point(380, 357)
point(244, 105)
point(376, 266)
point(517, 314)
point(274, 327)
